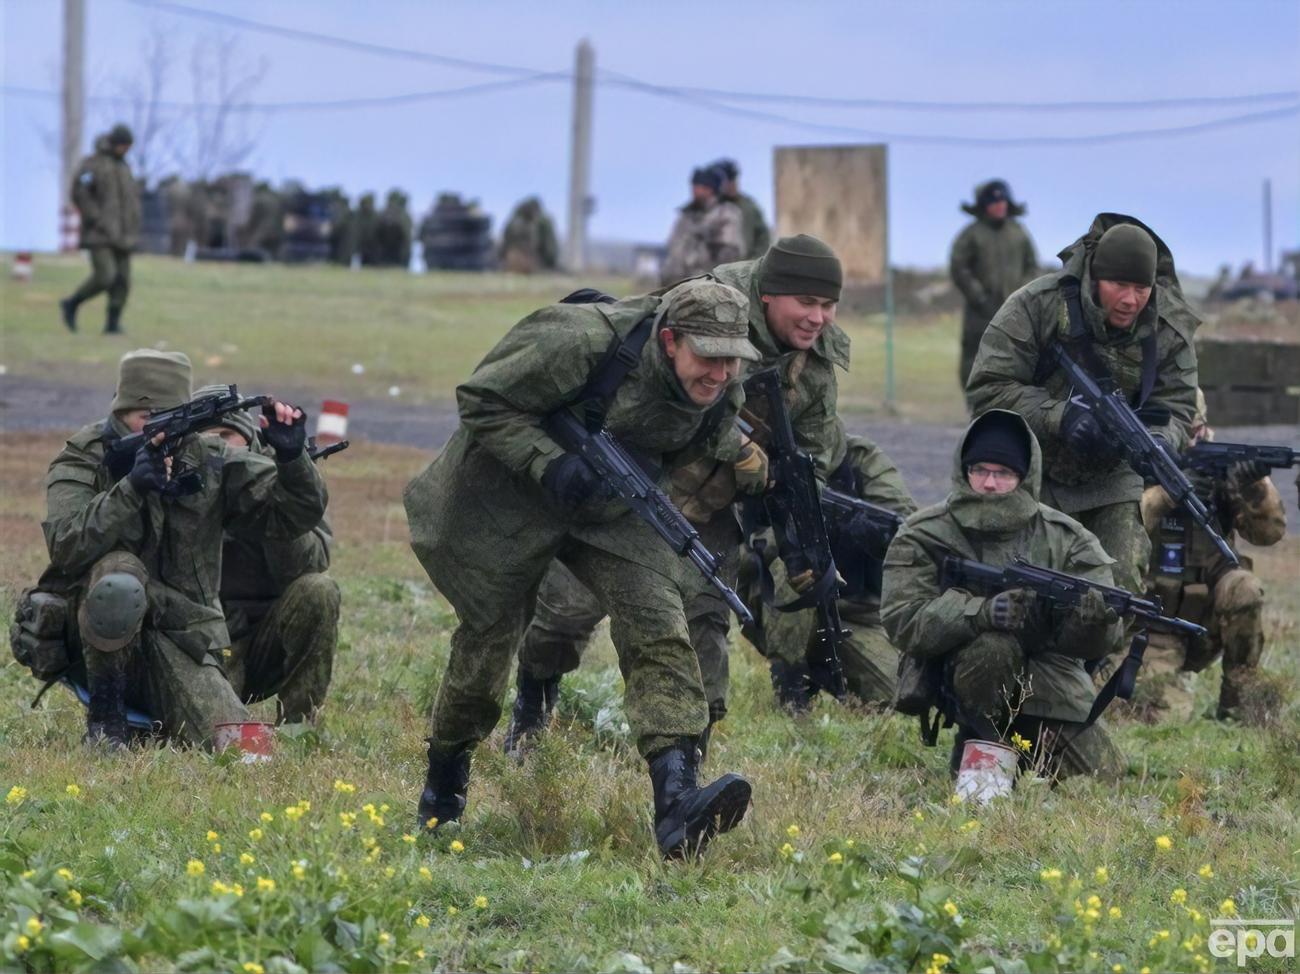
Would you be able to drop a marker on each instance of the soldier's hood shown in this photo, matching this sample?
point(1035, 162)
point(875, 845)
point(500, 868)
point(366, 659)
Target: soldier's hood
point(996, 514)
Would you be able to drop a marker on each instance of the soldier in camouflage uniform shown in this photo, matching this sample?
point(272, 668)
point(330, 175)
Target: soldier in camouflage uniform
point(708, 231)
point(282, 610)
point(991, 257)
point(106, 195)
point(503, 500)
point(1009, 664)
point(792, 291)
point(870, 663)
point(754, 234)
point(528, 242)
point(1141, 329)
point(139, 571)
point(1195, 582)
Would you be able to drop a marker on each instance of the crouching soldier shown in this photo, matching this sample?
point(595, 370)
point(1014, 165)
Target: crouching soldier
point(1005, 664)
point(135, 551)
point(1194, 581)
point(281, 609)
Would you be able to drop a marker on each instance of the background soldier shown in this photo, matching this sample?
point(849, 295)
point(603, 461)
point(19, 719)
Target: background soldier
point(503, 500)
point(991, 257)
point(106, 195)
point(754, 234)
point(708, 231)
point(140, 572)
point(528, 242)
point(1194, 581)
point(1008, 665)
point(1139, 328)
point(282, 610)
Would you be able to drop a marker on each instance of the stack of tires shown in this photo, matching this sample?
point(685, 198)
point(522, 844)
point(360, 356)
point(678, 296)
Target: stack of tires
point(457, 236)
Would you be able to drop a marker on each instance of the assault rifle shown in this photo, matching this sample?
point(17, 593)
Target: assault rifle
point(624, 479)
point(1140, 448)
point(1215, 458)
point(860, 524)
point(318, 453)
point(792, 506)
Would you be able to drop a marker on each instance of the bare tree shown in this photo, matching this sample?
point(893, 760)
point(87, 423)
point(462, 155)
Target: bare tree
point(220, 134)
point(151, 120)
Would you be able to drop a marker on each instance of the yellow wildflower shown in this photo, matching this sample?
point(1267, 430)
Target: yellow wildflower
point(849, 843)
point(787, 851)
point(218, 887)
point(956, 799)
point(835, 858)
point(343, 788)
point(247, 858)
point(29, 874)
point(267, 817)
point(971, 826)
point(383, 809)
point(252, 967)
point(390, 872)
point(1178, 897)
point(419, 953)
point(408, 838)
point(1162, 934)
point(1117, 968)
point(431, 823)
point(480, 902)
point(1101, 875)
point(74, 897)
point(950, 908)
point(212, 836)
point(1206, 871)
point(918, 815)
point(216, 847)
point(457, 846)
point(293, 812)
point(426, 873)
point(1115, 913)
point(255, 835)
point(34, 925)
point(22, 943)
point(792, 830)
point(299, 870)
point(1195, 915)
point(1164, 843)
point(1050, 875)
point(422, 921)
point(17, 795)
point(237, 889)
point(1094, 901)
point(1228, 907)
point(73, 791)
point(194, 868)
point(452, 911)
point(1020, 742)
point(1092, 913)
point(265, 884)
point(304, 805)
point(347, 819)
point(64, 873)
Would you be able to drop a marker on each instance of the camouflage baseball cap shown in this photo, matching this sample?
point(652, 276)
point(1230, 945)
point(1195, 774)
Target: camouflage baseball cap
point(712, 318)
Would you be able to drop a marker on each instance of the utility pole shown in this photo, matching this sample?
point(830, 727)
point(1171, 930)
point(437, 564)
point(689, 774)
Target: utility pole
point(1268, 226)
point(575, 256)
point(74, 55)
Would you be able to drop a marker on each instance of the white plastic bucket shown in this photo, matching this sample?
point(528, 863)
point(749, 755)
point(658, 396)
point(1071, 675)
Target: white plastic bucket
point(988, 771)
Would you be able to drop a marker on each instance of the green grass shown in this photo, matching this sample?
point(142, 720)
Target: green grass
point(561, 848)
point(307, 326)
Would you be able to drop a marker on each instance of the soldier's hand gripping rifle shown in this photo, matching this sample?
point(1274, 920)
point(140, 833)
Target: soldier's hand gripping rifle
point(1214, 458)
point(624, 479)
point(1144, 453)
point(792, 506)
point(175, 424)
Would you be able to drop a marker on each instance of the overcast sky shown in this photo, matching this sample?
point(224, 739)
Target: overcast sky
point(1201, 192)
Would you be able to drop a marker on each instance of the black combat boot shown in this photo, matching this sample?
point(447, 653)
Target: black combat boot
point(106, 712)
point(68, 308)
point(445, 786)
point(531, 715)
point(686, 815)
point(113, 323)
point(793, 685)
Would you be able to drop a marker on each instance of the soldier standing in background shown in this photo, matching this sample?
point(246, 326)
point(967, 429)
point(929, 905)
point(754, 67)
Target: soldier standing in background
point(708, 231)
point(991, 257)
point(108, 199)
point(754, 234)
point(528, 242)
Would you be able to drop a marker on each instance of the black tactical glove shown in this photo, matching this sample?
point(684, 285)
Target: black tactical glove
point(1244, 477)
point(570, 482)
point(286, 439)
point(1084, 435)
point(1008, 610)
point(149, 472)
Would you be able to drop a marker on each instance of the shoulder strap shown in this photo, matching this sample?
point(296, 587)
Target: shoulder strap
point(620, 358)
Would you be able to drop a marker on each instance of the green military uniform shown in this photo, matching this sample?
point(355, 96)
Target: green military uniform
point(1012, 372)
point(98, 525)
point(708, 231)
point(754, 234)
point(106, 195)
point(528, 242)
point(869, 661)
point(990, 259)
point(1040, 667)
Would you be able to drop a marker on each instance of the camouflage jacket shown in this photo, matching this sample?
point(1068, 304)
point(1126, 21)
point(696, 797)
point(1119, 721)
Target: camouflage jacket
point(702, 237)
point(105, 193)
point(1006, 373)
point(754, 234)
point(925, 621)
point(989, 261)
point(89, 514)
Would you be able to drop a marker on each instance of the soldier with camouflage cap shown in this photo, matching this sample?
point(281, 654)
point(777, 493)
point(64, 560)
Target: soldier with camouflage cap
point(138, 571)
point(1194, 581)
point(708, 231)
point(503, 500)
point(281, 608)
point(106, 195)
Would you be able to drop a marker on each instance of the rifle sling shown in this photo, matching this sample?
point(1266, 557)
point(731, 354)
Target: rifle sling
point(1121, 682)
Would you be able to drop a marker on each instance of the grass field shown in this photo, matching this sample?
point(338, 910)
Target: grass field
point(853, 857)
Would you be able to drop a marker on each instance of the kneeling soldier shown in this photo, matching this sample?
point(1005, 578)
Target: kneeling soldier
point(282, 610)
point(503, 500)
point(135, 551)
point(1007, 664)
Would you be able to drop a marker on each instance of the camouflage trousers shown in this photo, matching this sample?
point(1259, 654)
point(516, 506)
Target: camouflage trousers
point(663, 691)
point(284, 648)
point(568, 613)
point(110, 270)
point(1236, 633)
point(1119, 529)
point(983, 681)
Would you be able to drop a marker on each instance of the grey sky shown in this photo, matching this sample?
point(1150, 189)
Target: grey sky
point(1200, 192)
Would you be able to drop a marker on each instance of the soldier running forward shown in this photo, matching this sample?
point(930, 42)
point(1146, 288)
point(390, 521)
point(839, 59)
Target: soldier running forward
point(504, 499)
point(793, 291)
point(1008, 665)
point(135, 547)
point(281, 608)
point(1132, 324)
point(1195, 581)
point(106, 195)
point(991, 258)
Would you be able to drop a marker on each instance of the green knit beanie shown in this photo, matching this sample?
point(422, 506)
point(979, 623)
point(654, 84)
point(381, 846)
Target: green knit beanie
point(1125, 253)
point(149, 379)
point(801, 265)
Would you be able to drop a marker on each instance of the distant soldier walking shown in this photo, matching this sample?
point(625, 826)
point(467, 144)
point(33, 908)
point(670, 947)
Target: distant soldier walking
point(707, 232)
point(991, 257)
point(106, 195)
